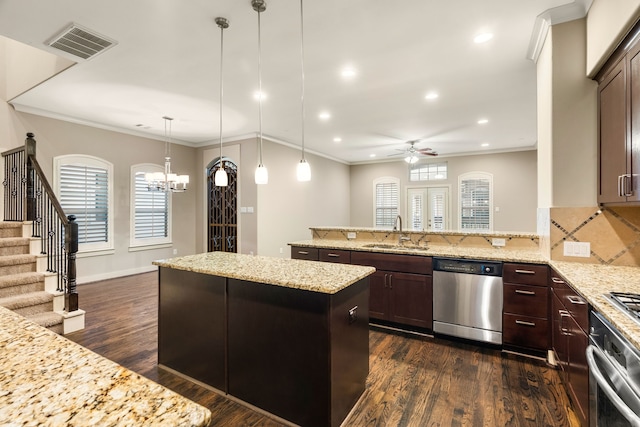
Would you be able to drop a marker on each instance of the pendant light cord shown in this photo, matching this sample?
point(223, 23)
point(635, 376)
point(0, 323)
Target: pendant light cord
point(221, 86)
point(302, 74)
point(260, 85)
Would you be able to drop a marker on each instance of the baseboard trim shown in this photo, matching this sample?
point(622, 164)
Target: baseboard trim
point(113, 274)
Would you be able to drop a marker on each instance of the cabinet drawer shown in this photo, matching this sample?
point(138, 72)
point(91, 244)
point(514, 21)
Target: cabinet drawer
point(392, 262)
point(526, 300)
point(332, 255)
point(298, 252)
point(573, 302)
point(526, 274)
point(524, 331)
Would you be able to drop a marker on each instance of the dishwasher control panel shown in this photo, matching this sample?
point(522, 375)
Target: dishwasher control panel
point(465, 266)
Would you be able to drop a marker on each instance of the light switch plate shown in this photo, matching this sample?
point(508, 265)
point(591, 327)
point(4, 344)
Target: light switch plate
point(577, 249)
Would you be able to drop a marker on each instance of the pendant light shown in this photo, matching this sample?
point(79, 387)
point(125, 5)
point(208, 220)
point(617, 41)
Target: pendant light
point(166, 181)
point(221, 179)
point(262, 175)
point(303, 171)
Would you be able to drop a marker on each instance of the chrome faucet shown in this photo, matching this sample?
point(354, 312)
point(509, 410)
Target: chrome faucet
point(398, 222)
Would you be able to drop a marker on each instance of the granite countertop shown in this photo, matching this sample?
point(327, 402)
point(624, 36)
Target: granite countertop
point(503, 254)
point(592, 281)
point(449, 232)
point(47, 380)
point(312, 276)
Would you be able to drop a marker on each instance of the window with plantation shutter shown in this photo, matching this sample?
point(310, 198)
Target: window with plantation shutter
point(84, 189)
point(476, 201)
point(150, 223)
point(386, 201)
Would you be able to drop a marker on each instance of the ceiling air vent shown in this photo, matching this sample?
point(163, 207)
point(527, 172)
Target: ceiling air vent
point(80, 42)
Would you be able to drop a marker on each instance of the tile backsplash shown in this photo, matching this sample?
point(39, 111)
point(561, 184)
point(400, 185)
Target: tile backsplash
point(613, 234)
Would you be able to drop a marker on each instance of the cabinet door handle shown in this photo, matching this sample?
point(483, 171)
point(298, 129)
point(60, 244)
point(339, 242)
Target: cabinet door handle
point(620, 186)
point(525, 272)
point(628, 185)
point(303, 252)
point(331, 255)
point(385, 280)
point(525, 323)
point(563, 314)
point(390, 281)
point(556, 280)
point(576, 300)
point(520, 291)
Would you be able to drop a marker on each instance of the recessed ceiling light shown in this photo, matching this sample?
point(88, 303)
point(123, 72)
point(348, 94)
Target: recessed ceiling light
point(483, 121)
point(372, 155)
point(325, 115)
point(431, 95)
point(348, 72)
point(337, 139)
point(484, 144)
point(482, 38)
point(257, 95)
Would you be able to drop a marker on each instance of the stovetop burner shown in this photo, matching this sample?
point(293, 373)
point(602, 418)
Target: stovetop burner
point(627, 302)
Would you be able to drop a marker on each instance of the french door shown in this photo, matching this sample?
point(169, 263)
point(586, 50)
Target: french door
point(428, 208)
point(222, 209)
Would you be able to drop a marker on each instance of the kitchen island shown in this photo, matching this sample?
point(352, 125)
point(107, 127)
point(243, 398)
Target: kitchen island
point(287, 336)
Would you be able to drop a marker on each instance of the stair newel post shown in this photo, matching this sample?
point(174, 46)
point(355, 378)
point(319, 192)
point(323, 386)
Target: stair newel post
point(30, 152)
point(71, 245)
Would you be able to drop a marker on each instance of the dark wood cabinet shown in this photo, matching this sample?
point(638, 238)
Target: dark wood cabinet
point(570, 340)
point(334, 255)
point(401, 290)
point(310, 254)
point(619, 126)
point(525, 319)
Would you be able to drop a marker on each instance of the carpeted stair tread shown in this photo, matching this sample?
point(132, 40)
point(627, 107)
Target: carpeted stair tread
point(46, 319)
point(16, 259)
point(20, 279)
point(13, 241)
point(26, 300)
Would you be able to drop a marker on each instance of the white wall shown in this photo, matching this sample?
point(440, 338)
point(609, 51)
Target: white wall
point(287, 208)
point(514, 185)
point(608, 21)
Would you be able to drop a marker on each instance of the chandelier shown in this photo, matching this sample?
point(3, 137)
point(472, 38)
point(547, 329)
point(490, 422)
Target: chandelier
point(166, 181)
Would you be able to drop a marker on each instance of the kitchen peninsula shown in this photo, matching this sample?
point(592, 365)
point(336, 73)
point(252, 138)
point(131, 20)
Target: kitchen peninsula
point(287, 336)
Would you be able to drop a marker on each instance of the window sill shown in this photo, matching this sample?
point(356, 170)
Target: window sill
point(138, 248)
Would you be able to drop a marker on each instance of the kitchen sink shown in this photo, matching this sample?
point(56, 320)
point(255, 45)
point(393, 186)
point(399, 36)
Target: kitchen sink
point(395, 247)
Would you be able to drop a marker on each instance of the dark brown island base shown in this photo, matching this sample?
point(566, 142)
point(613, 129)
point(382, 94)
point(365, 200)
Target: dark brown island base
point(290, 337)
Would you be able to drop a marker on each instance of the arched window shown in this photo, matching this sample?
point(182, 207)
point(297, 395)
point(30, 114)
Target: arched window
point(476, 201)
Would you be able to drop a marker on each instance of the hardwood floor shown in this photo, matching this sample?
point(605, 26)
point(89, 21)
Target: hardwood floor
point(413, 381)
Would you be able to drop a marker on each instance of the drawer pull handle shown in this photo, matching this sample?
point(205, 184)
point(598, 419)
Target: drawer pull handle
point(576, 300)
point(525, 272)
point(333, 255)
point(525, 323)
point(556, 280)
point(303, 252)
point(520, 291)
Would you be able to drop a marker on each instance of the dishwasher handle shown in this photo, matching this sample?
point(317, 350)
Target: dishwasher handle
point(592, 353)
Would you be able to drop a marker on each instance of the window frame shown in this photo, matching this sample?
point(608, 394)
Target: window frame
point(418, 167)
point(476, 175)
point(385, 180)
point(139, 244)
point(96, 248)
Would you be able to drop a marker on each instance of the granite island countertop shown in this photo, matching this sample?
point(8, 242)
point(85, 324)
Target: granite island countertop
point(291, 273)
point(47, 380)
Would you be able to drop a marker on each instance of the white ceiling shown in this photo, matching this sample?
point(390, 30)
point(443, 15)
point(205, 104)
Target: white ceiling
point(167, 58)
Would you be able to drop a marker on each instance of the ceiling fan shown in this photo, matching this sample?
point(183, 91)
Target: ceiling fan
point(412, 154)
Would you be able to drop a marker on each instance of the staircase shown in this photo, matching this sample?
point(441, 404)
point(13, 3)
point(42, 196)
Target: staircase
point(38, 245)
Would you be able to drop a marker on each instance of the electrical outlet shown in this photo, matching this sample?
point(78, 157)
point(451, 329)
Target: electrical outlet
point(499, 242)
point(175, 252)
point(281, 250)
point(351, 235)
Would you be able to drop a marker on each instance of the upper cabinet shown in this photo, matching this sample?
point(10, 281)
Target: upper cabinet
point(619, 126)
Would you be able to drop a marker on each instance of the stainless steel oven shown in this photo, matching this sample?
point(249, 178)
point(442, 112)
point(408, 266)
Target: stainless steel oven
point(614, 376)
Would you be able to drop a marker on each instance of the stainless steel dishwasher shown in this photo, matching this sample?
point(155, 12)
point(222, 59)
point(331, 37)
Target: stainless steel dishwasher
point(467, 299)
